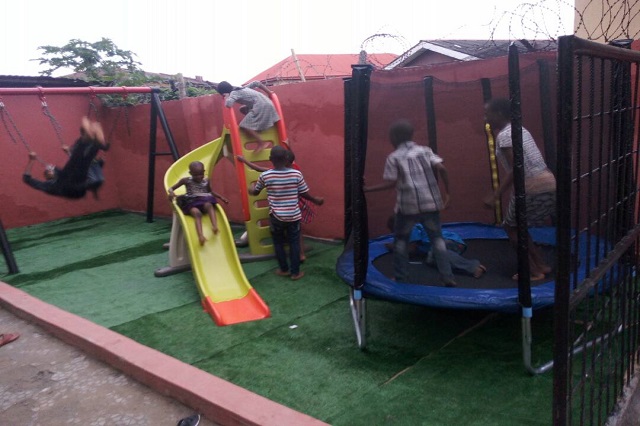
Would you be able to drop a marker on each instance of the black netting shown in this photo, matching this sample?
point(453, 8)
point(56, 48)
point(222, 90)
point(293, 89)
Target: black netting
point(446, 106)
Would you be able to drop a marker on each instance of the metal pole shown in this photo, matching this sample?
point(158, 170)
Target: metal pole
point(524, 280)
point(430, 108)
point(348, 160)
point(360, 122)
point(6, 251)
point(153, 130)
point(122, 90)
point(561, 395)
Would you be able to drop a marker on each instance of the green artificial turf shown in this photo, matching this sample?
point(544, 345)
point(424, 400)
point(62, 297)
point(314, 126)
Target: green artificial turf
point(422, 366)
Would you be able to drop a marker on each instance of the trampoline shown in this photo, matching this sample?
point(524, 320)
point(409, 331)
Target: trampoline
point(494, 291)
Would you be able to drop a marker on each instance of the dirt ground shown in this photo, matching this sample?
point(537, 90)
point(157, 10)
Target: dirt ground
point(44, 381)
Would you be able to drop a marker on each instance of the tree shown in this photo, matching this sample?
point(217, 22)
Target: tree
point(102, 60)
point(104, 64)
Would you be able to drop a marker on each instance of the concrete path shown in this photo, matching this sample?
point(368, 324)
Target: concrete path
point(53, 375)
point(44, 381)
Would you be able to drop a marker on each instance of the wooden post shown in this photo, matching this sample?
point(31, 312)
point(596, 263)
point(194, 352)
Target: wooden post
point(295, 61)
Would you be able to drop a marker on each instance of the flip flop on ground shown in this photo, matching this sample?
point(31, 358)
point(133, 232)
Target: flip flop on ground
point(8, 338)
point(190, 421)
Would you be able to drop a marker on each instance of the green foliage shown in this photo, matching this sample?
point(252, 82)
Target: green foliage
point(104, 64)
point(102, 60)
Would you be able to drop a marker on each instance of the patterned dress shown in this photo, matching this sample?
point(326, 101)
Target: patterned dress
point(540, 184)
point(261, 115)
point(198, 194)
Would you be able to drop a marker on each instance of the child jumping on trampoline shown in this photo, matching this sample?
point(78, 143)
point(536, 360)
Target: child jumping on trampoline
point(540, 183)
point(412, 169)
point(199, 198)
point(260, 113)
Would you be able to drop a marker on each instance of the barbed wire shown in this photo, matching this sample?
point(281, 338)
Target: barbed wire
point(535, 23)
point(602, 20)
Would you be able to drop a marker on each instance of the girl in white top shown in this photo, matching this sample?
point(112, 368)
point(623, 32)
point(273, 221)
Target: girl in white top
point(540, 184)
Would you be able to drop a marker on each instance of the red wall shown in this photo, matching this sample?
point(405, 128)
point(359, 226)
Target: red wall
point(314, 116)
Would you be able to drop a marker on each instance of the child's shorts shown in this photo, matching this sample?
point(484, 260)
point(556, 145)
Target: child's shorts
point(186, 203)
point(540, 207)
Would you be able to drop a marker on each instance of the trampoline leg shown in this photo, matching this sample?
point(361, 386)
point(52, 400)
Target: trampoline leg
point(359, 313)
point(527, 340)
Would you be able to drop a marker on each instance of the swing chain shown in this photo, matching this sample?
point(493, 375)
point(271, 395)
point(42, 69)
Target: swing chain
point(45, 110)
point(92, 106)
point(4, 113)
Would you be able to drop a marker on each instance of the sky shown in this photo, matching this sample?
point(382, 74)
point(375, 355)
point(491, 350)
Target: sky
point(235, 40)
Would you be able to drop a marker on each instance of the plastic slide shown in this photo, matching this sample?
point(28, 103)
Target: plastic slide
point(225, 291)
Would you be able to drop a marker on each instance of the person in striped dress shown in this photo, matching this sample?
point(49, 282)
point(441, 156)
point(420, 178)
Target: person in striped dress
point(284, 187)
point(260, 114)
point(540, 184)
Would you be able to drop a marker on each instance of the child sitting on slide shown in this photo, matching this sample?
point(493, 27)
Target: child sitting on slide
point(198, 199)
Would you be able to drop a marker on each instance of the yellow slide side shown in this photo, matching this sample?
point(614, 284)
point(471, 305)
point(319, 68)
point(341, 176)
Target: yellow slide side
point(225, 291)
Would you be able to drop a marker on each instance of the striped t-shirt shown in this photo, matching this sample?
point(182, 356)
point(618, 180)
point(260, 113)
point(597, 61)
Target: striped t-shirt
point(283, 191)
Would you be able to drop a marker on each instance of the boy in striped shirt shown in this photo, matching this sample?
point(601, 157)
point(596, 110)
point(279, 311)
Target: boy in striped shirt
point(284, 187)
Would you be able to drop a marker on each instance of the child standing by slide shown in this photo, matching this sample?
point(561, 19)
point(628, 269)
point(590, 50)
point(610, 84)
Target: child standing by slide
point(284, 187)
point(307, 211)
point(198, 199)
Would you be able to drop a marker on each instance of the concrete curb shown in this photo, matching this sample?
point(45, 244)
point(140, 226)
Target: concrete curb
point(216, 399)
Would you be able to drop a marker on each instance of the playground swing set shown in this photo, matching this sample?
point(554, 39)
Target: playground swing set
point(226, 293)
point(16, 136)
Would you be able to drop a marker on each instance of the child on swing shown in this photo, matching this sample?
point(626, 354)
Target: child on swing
point(81, 172)
point(198, 199)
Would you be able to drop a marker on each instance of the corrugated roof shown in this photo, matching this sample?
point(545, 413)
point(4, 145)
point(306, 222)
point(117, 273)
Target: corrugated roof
point(319, 66)
point(22, 81)
point(467, 50)
point(485, 49)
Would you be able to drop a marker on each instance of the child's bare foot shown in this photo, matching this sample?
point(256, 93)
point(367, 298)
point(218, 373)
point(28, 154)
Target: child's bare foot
point(98, 134)
point(202, 239)
point(260, 147)
point(86, 127)
point(297, 276)
point(215, 230)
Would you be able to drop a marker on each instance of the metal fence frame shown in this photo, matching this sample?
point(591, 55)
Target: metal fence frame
point(596, 343)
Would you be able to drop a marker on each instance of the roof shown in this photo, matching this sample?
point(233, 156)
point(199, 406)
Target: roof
point(22, 81)
point(162, 78)
point(318, 67)
point(469, 50)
